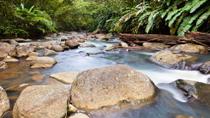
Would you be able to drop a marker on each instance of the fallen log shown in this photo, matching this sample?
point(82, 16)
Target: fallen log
point(140, 38)
point(192, 37)
point(199, 37)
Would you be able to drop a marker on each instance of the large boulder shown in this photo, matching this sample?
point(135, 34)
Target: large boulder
point(169, 59)
point(42, 101)
point(6, 49)
point(155, 46)
point(24, 50)
point(97, 88)
point(4, 101)
point(42, 62)
point(190, 48)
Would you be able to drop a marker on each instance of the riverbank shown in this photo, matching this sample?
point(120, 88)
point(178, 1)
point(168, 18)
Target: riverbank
point(78, 52)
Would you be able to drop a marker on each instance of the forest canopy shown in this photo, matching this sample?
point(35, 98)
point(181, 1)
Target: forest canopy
point(34, 18)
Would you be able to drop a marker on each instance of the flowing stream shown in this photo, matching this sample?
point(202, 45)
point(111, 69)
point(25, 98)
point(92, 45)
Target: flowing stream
point(169, 103)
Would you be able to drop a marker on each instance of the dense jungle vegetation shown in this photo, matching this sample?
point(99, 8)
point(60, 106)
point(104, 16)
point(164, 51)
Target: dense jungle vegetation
point(34, 18)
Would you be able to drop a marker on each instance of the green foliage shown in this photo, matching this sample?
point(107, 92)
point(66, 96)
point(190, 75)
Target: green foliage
point(178, 16)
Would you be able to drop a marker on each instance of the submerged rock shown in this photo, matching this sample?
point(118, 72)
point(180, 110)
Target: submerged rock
point(190, 48)
point(97, 88)
point(155, 46)
point(66, 77)
point(3, 65)
point(42, 62)
point(4, 101)
point(171, 59)
point(183, 116)
point(42, 101)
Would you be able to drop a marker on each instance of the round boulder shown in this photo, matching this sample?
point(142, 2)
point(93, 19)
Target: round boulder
point(190, 48)
point(169, 59)
point(42, 62)
point(42, 101)
point(97, 88)
point(4, 101)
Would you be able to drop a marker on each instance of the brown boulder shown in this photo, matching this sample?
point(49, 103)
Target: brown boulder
point(42, 101)
point(6, 49)
point(4, 101)
point(155, 46)
point(72, 43)
point(3, 65)
point(42, 62)
point(190, 48)
point(97, 88)
point(24, 50)
point(171, 59)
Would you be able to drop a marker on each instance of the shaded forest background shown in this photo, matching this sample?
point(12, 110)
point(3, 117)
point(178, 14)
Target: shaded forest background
point(35, 18)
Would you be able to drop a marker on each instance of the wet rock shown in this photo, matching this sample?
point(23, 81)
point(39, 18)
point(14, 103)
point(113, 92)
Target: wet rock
point(187, 87)
point(103, 36)
point(190, 48)
point(155, 46)
point(124, 45)
point(33, 54)
point(42, 62)
point(112, 47)
point(203, 92)
point(171, 59)
point(13, 42)
point(42, 101)
point(97, 88)
point(87, 45)
point(79, 115)
point(197, 90)
point(4, 101)
point(24, 50)
point(57, 48)
point(9, 59)
point(6, 49)
point(72, 43)
point(48, 52)
point(3, 65)
point(65, 77)
point(72, 109)
point(205, 68)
